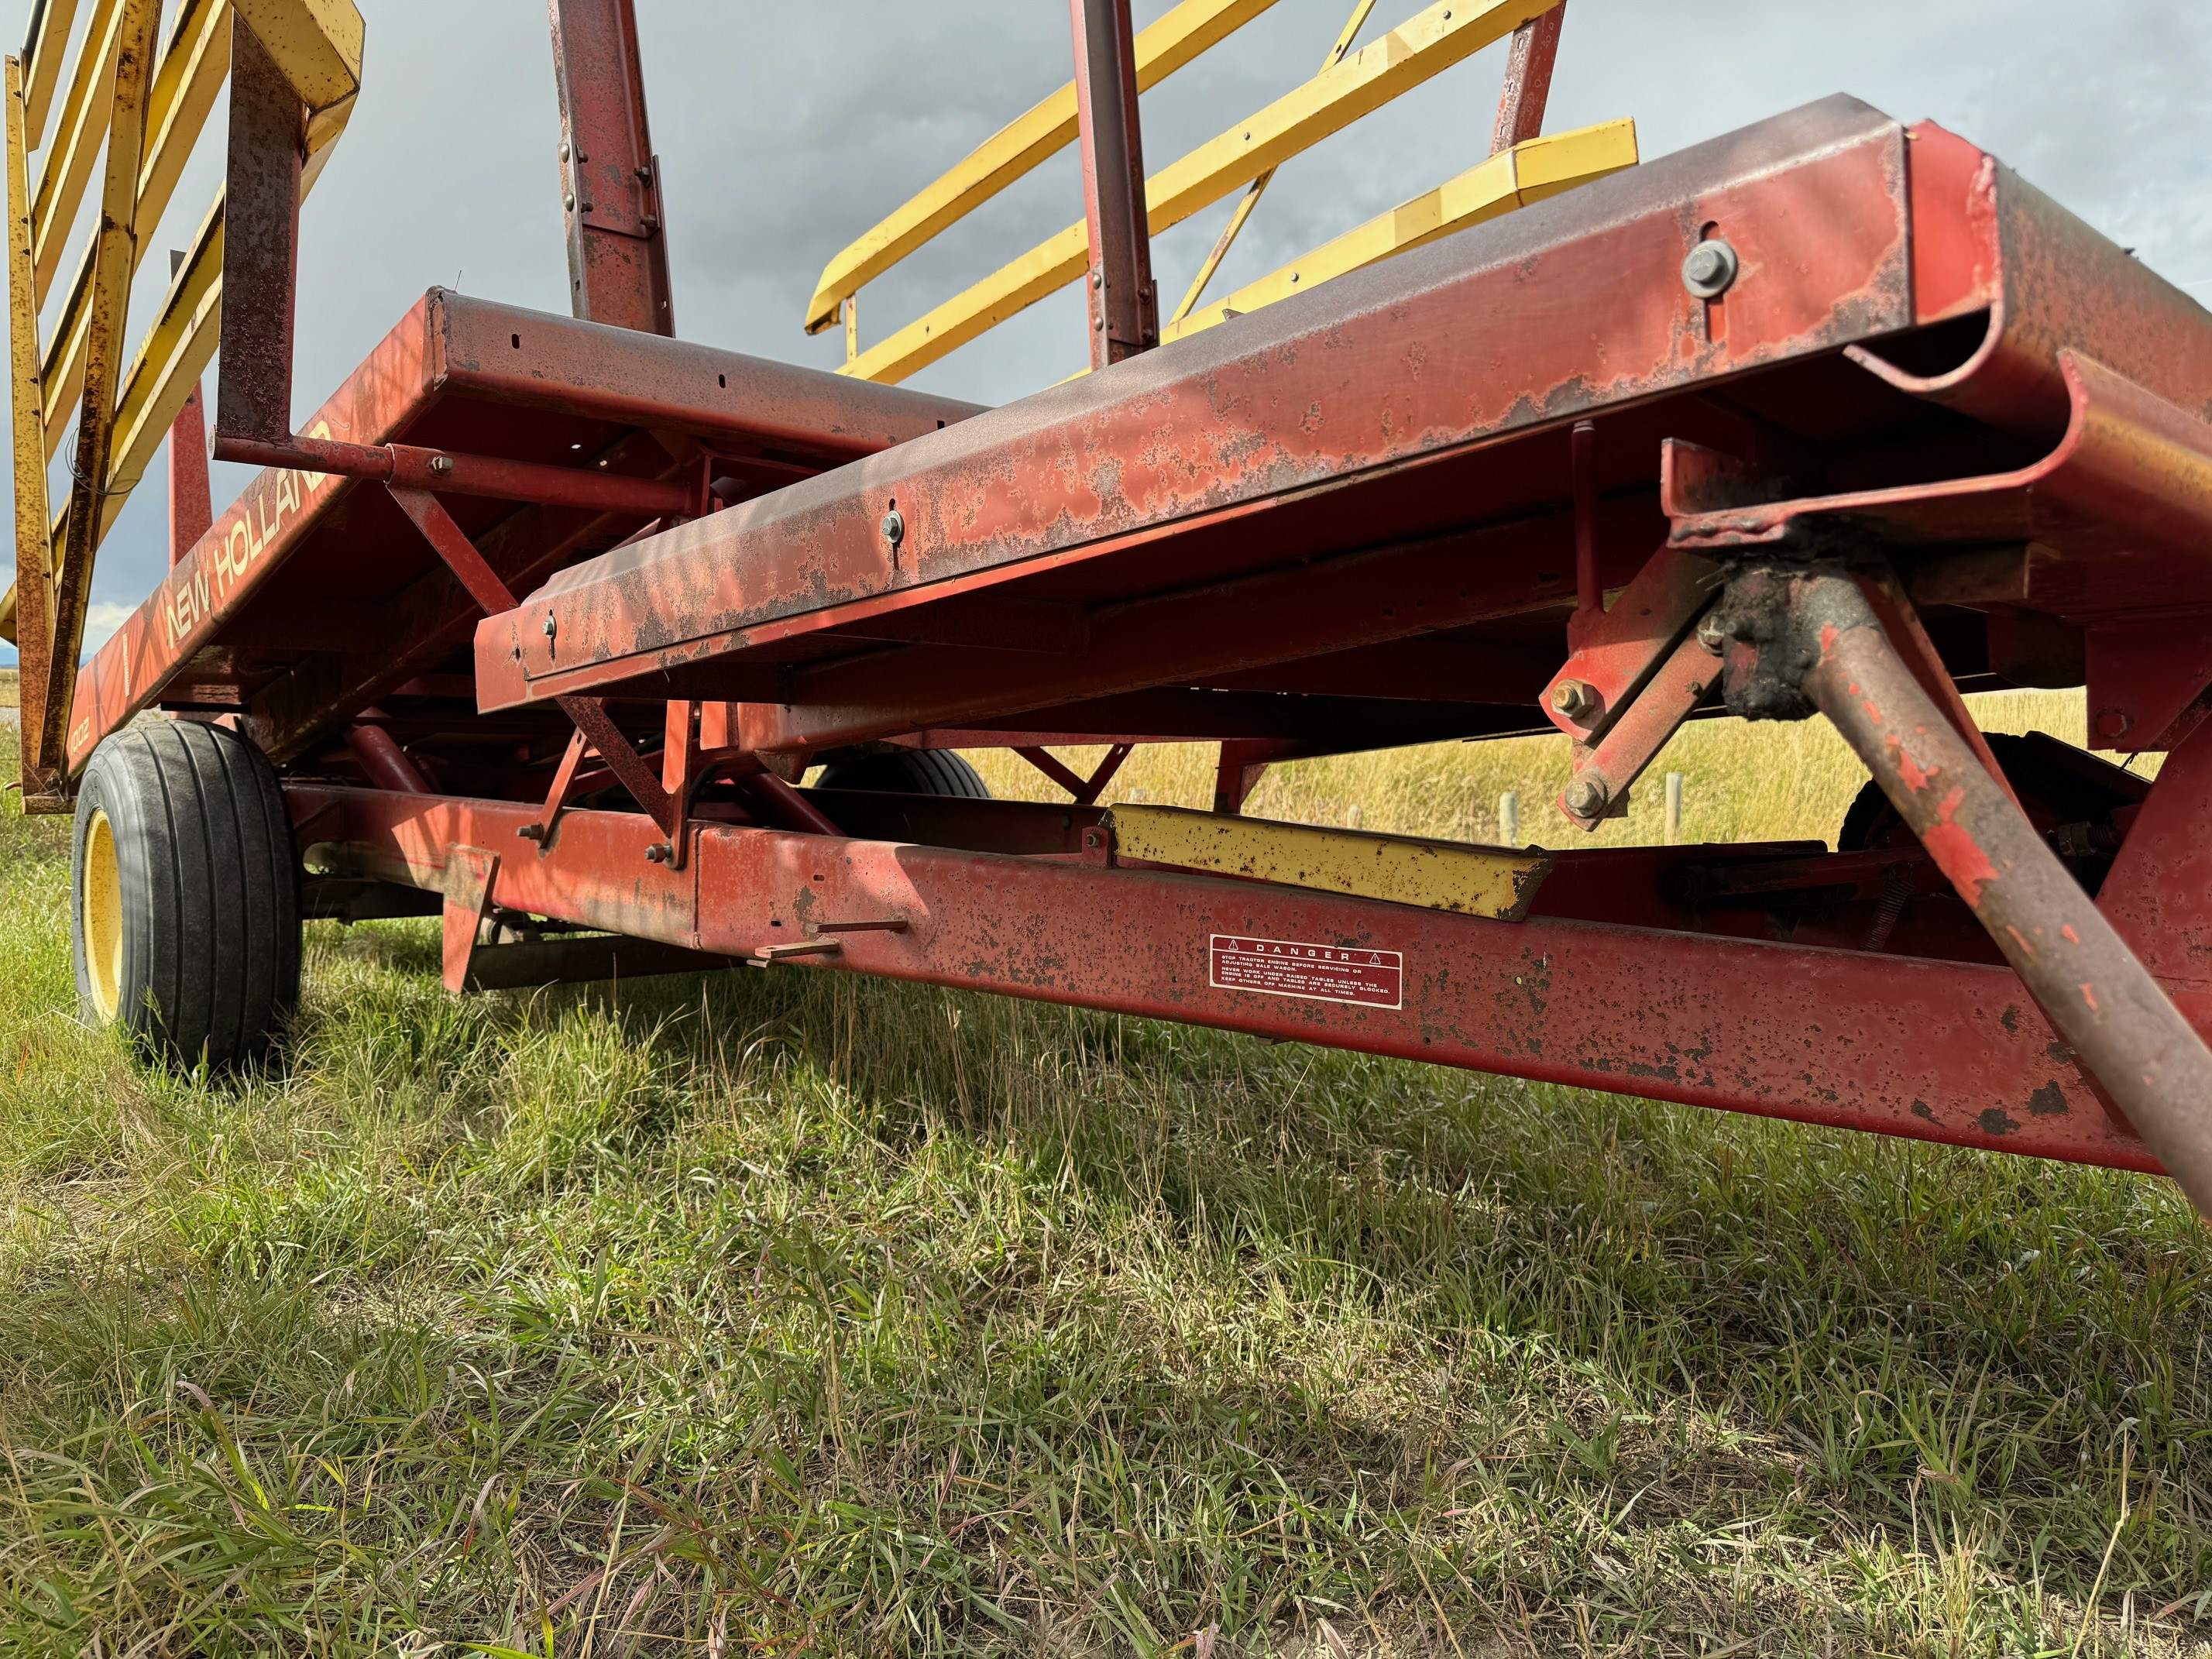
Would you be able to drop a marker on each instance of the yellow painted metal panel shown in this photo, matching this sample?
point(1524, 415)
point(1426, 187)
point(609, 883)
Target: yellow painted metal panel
point(1437, 875)
point(33, 551)
point(1191, 27)
point(316, 42)
point(1446, 33)
point(80, 125)
point(1493, 187)
point(42, 72)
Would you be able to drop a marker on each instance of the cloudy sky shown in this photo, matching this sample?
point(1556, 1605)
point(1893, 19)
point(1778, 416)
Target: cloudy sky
point(786, 130)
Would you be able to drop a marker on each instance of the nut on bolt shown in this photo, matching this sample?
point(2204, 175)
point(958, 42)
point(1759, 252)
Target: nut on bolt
point(552, 626)
point(1710, 269)
point(659, 853)
point(1586, 798)
point(895, 528)
point(1575, 698)
point(441, 464)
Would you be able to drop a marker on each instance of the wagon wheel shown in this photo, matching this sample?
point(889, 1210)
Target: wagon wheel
point(908, 772)
point(185, 894)
point(2068, 793)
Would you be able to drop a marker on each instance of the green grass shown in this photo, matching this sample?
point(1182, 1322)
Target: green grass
point(783, 1314)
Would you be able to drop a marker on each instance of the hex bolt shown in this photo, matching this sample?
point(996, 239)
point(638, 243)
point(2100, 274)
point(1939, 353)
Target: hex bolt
point(894, 528)
point(441, 464)
point(552, 626)
point(1586, 798)
point(659, 853)
point(531, 831)
point(1710, 269)
point(1712, 633)
point(1575, 699)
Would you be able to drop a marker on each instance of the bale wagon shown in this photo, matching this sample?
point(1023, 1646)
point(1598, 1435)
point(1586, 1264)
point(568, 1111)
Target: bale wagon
point(540, 624)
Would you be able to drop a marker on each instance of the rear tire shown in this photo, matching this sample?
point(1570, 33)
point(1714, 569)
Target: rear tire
point(908, 772)
point(186, 918)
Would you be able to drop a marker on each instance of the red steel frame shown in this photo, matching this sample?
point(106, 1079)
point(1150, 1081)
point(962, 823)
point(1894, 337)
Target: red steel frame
point(1384, 512)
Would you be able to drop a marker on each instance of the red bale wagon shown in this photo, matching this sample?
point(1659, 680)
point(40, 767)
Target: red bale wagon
point(541, 622)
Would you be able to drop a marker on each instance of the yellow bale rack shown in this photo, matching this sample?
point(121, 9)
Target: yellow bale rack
point(1349, 85)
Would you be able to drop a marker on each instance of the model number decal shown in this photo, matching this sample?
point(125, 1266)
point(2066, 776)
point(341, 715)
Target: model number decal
point(1314, 972)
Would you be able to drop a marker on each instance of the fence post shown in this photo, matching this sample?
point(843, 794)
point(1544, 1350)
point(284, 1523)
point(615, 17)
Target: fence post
point(1509, 819)
point(1674, 809)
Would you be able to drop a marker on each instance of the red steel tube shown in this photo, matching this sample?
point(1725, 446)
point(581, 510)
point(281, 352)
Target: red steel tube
point(384, 761)
point(409, 467)
point(2150, 1062)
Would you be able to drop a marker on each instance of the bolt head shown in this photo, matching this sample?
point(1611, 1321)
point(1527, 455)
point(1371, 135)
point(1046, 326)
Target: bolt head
point(1586, 798)
point(441, 464)
point(1712, 633)
point(894, 527)
point(1710, 269)
point(552, 627)
point(1574, 698)
point(658, 852)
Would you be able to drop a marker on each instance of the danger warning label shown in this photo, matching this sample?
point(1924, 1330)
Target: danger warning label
point(1317, 972)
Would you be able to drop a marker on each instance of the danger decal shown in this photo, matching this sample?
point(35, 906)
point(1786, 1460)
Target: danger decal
point(1314, 972)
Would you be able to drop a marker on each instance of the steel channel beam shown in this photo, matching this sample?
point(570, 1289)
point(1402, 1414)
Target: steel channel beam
point(1124, 306)
point(610, 177)
point(261, 244)
point(1934, 1051)
point(1256, 417)
point(452, 346)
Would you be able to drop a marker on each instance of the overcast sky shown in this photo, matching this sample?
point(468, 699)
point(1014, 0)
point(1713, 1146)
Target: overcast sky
point(786, 130)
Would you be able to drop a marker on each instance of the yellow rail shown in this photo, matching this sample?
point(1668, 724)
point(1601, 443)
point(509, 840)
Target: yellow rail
point(1350, 85)
point(1042, 131)
point(1528, 173)
point(77, 373)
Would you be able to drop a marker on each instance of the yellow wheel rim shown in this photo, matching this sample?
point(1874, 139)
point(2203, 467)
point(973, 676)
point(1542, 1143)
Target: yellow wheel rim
point(102, 921)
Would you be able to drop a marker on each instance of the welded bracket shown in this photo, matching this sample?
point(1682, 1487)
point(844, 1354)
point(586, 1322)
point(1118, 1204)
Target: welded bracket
point(1634, 673)
point(469, 873)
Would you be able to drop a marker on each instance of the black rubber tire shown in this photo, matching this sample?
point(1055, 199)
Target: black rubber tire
point(908, 772)
point(209, 968)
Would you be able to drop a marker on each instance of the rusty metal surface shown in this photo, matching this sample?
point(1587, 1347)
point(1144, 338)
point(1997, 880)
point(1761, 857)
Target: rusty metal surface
point(1124, 306)
point(261, 244)
point(1376, 372)
point(1813, 624)
point(1708, 1021)
point(1530, 62)
point(609, 178)
point(496, 372)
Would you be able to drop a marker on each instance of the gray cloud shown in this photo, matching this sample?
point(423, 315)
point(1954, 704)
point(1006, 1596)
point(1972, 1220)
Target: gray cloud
point(785, 130)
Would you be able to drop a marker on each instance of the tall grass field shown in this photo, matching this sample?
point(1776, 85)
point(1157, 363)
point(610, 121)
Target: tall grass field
point(790, 1313)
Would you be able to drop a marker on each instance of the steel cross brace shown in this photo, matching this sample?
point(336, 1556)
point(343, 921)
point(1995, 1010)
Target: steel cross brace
point(594, 724)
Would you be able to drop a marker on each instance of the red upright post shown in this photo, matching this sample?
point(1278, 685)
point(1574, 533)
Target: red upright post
point(191, 509)
point(610, 177)
point(1535, 49)
point(1125, 309)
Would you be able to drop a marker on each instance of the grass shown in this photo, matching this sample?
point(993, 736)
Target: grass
point(780, 1314)
point(9, 682)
